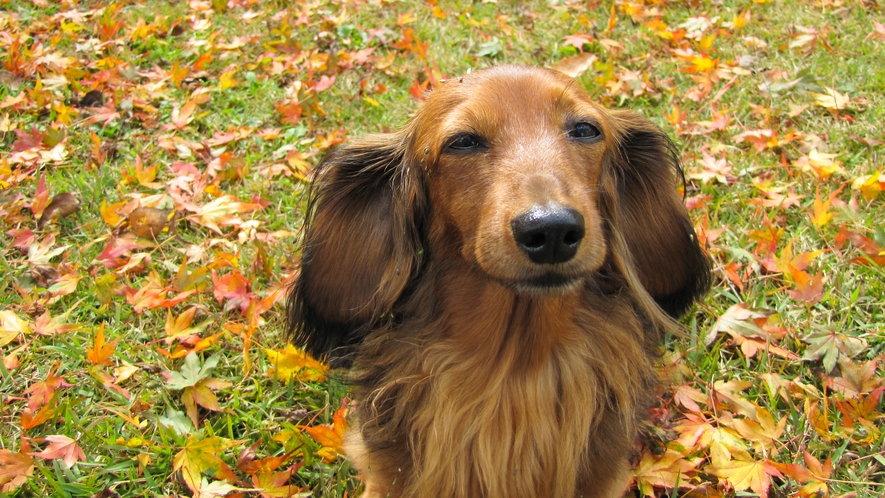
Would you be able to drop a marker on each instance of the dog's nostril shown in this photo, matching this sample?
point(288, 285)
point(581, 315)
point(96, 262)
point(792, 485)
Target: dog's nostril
point(572, 237)
point(548, 235)
point(535, 240)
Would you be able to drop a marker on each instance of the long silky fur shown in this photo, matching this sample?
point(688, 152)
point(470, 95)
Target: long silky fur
point(372, 174)
point(463, 387)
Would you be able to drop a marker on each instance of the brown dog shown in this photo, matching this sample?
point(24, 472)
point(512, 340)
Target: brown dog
point(498, 272)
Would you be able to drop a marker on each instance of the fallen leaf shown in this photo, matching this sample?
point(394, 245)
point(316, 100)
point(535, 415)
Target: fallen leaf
point(11, 327)
point(100, 352)
point(743, 473)
point(148, 222)
point(294, 363)
point(15, 468)
point(668, 471)
point(856, 378)
point(330, 437)
point(873, 252)
point(830, 345)
point(63, 447)
point(199, 456)
point(576, 65)
point(62, 205)
point(831, 100)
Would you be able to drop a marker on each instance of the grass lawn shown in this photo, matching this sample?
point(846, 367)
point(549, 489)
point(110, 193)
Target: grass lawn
point(152, 171)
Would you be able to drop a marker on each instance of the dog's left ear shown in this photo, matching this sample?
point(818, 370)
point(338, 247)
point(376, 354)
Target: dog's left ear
point(362, 243)
point(647, 216)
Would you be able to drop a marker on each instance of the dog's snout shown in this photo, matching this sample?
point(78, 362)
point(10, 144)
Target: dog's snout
point(548, 235)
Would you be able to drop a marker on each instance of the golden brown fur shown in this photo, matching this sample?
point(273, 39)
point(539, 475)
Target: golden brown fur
point(486, 362)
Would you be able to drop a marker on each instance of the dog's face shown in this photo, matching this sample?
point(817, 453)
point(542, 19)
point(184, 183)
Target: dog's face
point(512, 172)
point(513, 162)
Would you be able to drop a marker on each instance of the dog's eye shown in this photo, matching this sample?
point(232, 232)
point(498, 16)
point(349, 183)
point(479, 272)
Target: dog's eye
point(465, 142)
point(584, 130)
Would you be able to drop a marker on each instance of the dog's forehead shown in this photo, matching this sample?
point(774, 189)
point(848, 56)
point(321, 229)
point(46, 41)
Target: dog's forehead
point(513, 85)
point(508, 94)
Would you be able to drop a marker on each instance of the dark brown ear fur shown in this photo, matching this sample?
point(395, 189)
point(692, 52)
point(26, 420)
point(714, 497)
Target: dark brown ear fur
point(639, 196)
point(361, 246)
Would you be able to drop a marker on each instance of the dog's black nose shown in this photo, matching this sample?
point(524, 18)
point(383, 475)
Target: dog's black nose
point(548, 235)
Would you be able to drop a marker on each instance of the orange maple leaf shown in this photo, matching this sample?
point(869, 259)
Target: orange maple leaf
point(100, 352)
point(234, 288)
point(149, 297)
point(178, 327)
point(30, 419)
point(46, 325)
point(41, 196)
point(42, 392)
point(873, 252)
point(330, 437)
point(15, 468)
point(813, 476)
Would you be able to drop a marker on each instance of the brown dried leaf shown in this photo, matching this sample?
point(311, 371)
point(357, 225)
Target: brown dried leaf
point(63, 204)
point(576, 65)
point(148, 222)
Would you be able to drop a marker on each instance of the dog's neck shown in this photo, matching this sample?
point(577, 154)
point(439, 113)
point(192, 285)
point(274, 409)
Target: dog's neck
point(473, 363)
point(485, 315)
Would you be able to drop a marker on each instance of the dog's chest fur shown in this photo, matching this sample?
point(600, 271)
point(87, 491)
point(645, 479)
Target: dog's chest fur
point(507, 396)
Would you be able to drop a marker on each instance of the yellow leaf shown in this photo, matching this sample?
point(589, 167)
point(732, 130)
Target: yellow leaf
point(180, 326)
point(11, 327)
point(821, 165)
point(741, 20)
point(199, 456)
point(743, 472)
point(406, 18)
point(668, 470)
point(821, 214)
point(706, 42)
point(831, 99)
point(109, 212)
point(763, 431)
point(227, 80)
point(294, 362)
point(703, 64)
point(65, 284)
point(222, 211)
point(870, 185)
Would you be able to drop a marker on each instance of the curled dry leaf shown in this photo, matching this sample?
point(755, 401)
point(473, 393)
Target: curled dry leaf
point(63, 204)
point(576, 65)
point(148, 222)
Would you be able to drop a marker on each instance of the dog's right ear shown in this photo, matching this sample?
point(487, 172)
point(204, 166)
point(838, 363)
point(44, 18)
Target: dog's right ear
point(362, 242)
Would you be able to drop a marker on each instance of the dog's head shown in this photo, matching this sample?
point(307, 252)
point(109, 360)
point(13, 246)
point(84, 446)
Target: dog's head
point(514, 172)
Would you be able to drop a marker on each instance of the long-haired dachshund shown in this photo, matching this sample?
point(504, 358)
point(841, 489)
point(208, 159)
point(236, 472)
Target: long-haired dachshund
point(498, 273)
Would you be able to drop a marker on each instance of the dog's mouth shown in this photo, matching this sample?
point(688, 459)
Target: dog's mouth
point(546, 284)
